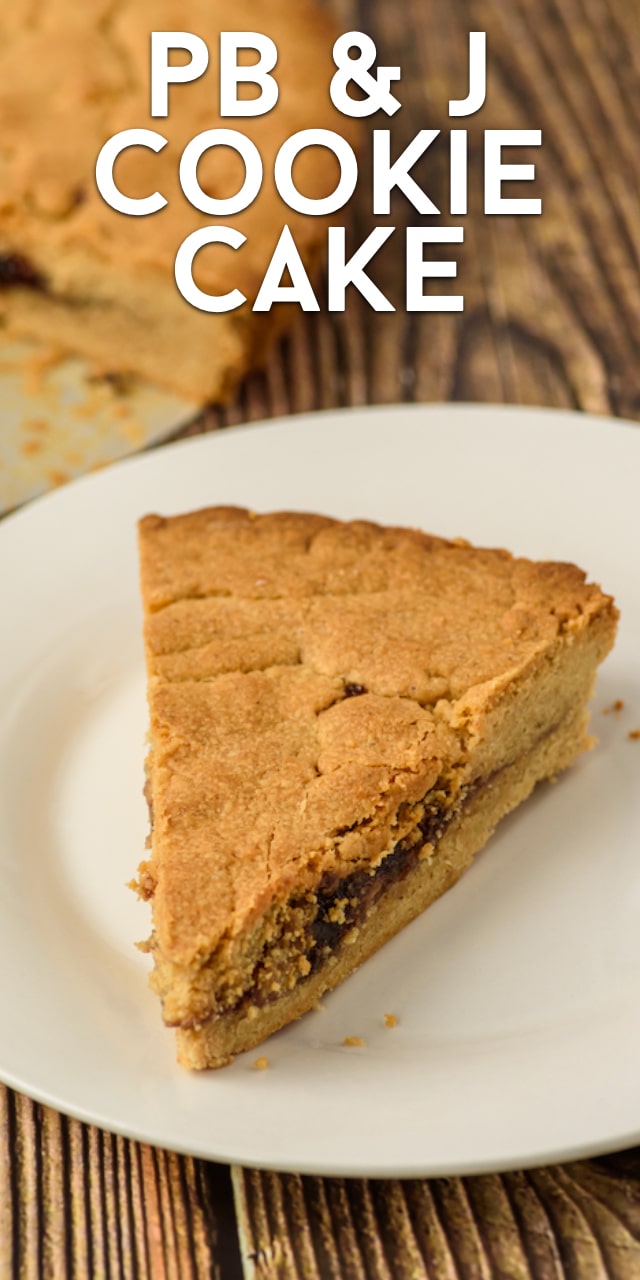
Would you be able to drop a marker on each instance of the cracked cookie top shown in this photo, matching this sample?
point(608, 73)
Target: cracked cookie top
point(73, 74)
point(309, 684)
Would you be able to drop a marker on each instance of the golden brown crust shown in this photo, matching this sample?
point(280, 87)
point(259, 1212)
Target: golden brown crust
point(215, 1042)
point(312, 684)
point(104, 269)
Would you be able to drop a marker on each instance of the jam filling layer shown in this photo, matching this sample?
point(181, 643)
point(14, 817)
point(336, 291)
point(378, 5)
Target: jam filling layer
point(344, 904)
point(17, 270)
point(341, 905)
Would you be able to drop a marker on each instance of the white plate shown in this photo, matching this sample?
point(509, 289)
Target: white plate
point(518, 994)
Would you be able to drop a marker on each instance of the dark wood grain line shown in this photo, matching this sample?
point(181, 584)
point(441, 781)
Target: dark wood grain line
point(608, 236)
point(439, 1259)
point(207, 1249)
point(276, 386)
point(352, 328)
point(288, 1228)
point(56, 1219)
point(108, 1206)
point(479, 361)
point(553, 234)
point(295, 1210)
point(300, 371)
point(594, 32)
point(185, 1204)
point(152, 1210)
point(376, 1263)
point(341, 364)
point(124, 1201)
point(63, 1156)
point(552, 1224)
point(118, 1210)
point(537, 1237)
point(615, 1180)
point(162, 1161)
point(301, 1215)
point(216, 1202)
point(345, 1230)
point(155, 1214)
point(497, 1225)
point(465, 1240)
point(270, 1249)
point(9, 1229)
point(381, 335)
point(620, 40)
point(483, 1227)
point(82, 1251)
point(76, 1201)
point(597, 384)
point(619, 1250)
point(324, 1240)
point(527, 62)
point(531, 349)
point(579, 1250)
point(189, 1221)
point(29, 1175)
point(327, 364)
point(96, 1203)
point(176, 1261)
point(397, 1229)
point(140, 1209)
point(263, 1251)
point(192, 1229)
point(591, 96)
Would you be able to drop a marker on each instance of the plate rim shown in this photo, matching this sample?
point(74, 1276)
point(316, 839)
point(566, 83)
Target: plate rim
point(408, 408)
point(309, 1168)
point(421, 1168)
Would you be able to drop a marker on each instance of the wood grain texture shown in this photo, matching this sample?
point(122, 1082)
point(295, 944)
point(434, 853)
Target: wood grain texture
point(78, 1202)
point(75, 1201)
point(575, 1222)
point(552, 303)
point(552, 317)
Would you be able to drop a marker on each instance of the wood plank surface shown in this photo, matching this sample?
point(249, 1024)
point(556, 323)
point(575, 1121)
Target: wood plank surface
point(552, 317)
point(580, 1220)
point(75, 1201)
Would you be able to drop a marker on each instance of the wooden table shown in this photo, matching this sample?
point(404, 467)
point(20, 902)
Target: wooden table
point(552, 317)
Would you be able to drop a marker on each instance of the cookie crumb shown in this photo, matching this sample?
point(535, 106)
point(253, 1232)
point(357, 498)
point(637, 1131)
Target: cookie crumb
point(31, 447)
point(390, 1020)
point(615, 707)
point(634, 735)
point(261, 1064)
point(354, 1042)
point(145, 885)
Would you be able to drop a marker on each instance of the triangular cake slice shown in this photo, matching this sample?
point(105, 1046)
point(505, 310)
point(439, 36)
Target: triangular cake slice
point(340, 715)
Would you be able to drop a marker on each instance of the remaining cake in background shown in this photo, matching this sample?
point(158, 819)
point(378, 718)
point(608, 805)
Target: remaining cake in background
point(78, 275)
point(340, 715)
